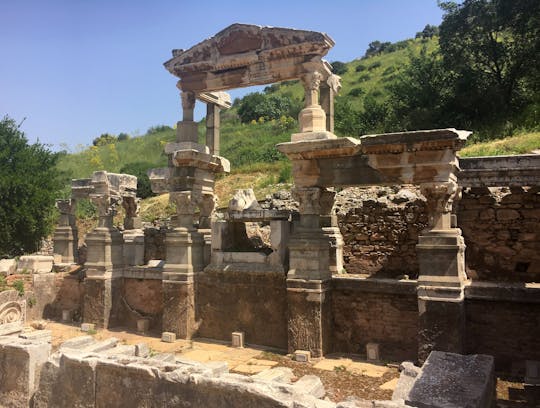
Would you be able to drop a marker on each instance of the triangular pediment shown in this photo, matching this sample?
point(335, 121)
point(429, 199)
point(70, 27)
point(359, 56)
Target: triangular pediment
point(241, 45)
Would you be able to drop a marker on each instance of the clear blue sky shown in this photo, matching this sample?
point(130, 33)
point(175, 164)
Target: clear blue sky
point(79, 68)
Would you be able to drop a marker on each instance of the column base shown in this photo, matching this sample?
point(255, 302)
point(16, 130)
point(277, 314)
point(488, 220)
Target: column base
point(441, 320)
point(179, 308)
point(309, 320)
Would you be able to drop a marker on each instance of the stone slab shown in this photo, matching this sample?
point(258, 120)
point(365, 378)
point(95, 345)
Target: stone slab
point(452, 380)
point(7, 267)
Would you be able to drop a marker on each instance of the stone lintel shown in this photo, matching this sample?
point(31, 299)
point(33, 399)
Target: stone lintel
point(320, 147)
point(434, 139)
point(519, 170)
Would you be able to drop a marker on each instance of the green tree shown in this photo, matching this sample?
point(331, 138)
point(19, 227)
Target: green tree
point(257, 105)
point(139, 169)
point(420, 94)
point(338, 67)
point(493, 47)
point(29, 185)
point(104, 139)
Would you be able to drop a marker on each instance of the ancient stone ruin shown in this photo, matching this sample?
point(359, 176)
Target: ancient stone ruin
point(421, 278)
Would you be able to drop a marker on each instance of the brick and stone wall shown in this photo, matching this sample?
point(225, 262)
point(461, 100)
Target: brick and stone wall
point(242, 300)
point(375, 310)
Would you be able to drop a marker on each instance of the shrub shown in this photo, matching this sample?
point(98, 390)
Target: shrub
point(360, 68)
point(356, 92)
point(139, 169)
point(376, 64)
point(29, 185)
point(338, 67)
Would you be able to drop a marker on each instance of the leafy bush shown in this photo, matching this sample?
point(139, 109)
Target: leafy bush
point(104, 139)
point(29, 185)
point(360, 68)
point(18, 285)
point(376, 64)
point(257, 105)
point(356, 92)
point(338, 67)
point(122, 136)
point(139, 170)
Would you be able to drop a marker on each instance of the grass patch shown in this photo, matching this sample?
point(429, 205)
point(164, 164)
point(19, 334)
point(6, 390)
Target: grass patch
point(520, 144)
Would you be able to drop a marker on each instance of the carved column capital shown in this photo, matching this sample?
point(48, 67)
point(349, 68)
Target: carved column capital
point(67, 212)
point(132, 208)
point(106, 207)
point(314, 200)
point(312, 82)
point(440, 197)
point(207, 206)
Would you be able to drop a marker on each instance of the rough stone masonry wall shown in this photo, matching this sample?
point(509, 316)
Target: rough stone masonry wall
point(242, 300)
point(380, 227)
point(380, 311)
point(501, 227)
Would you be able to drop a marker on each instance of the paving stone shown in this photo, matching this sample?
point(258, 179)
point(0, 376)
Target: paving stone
point(329, 364)
point(370, 370)
point(249, 368)
point(389, 385)
point(280, 374)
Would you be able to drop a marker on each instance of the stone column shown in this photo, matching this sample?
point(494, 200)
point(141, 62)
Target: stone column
point(312, 118)
point(313, 258)
point(66, 234)
point(133, 233)
point(185, 257)
point(104, 265)
point(441, 251)
point(186, 130)
point(212, 128)
point(328, 90)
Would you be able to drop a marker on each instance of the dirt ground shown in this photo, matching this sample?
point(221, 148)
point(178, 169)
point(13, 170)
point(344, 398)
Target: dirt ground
point(343, 376)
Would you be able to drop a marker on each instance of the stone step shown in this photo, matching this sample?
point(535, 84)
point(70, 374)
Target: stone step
point(37, 335)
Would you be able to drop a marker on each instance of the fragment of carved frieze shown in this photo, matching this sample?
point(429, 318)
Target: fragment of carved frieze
point(12, 312)
point(207, 204)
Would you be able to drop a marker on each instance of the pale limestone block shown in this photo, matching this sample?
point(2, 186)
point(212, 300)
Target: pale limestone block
point(237, 339)
point(8, 266)
point(35, 264)
point(143, 325)
point(372, 351)
point(168, 337)
point(302, 356)
point(86, 327)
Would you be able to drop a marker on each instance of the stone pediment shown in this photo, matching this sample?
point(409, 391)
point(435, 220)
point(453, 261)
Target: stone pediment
point(245, 55)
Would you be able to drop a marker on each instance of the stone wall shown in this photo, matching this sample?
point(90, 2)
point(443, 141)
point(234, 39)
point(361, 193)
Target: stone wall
point(380, 227)
point(154, 243)
point(504, 321)
point(375, 310)
point(242, 300)
point(501, 229)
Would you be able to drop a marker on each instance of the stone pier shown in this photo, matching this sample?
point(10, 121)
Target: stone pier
point(190, 180)
point(66, 234)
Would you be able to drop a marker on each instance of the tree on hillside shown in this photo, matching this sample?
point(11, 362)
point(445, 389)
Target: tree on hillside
point(104, 139)
point(267, 106)
point(29, 185)
point(139, 169)
point(493, 46)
